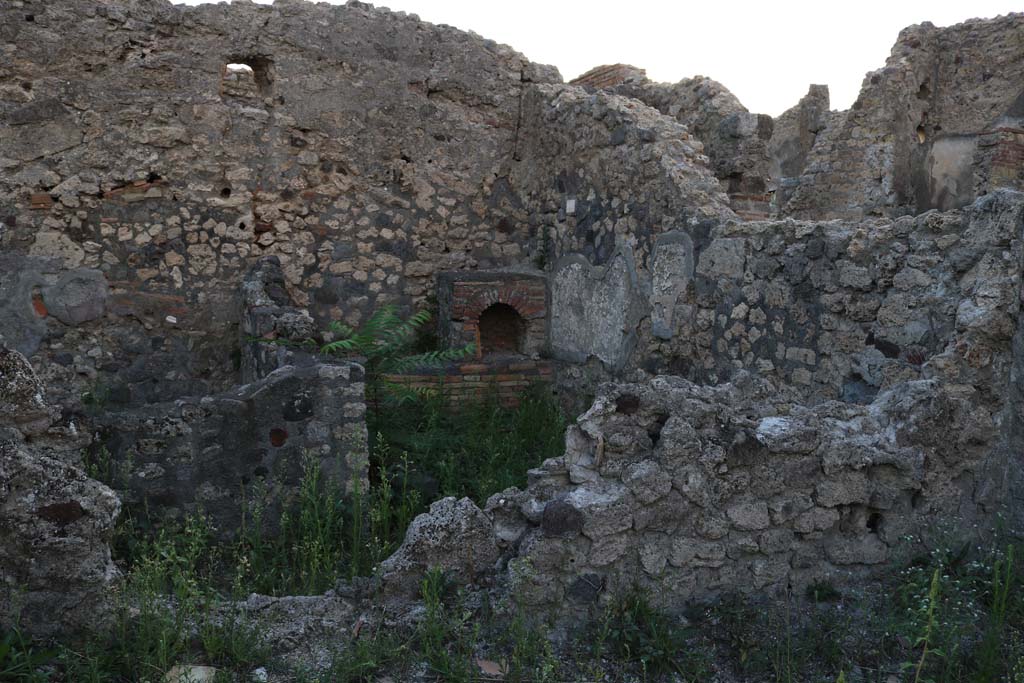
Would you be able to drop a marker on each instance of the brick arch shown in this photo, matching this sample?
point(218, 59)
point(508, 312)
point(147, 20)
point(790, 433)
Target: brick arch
point(489, 296)
point(470, 294)
point(485, 300)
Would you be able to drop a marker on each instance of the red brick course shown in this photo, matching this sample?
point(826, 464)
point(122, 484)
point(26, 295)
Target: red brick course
point(464, 382)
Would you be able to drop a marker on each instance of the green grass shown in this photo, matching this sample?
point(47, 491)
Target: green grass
point(951, 614)
point(634, 632)
point(20, 659)
point(476, 451)
point(178, 577)
point(165, 615)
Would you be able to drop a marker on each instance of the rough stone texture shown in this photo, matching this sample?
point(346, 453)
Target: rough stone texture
point(832, 310)
point(939, 125)
point(301, 630)
point(595, 310)
point(454, 536)
point(344, 157)
point(926, 129)
point(208, 452)
point(22, 402)
point(56, 574)
point(605, 171)
point(161, 216)
point(342, 154)
point(734, 139)
point(793, 137)
point(696, 490)
point(272, 329)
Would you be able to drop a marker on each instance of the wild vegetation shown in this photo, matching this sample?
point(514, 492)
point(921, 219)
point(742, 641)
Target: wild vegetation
point(951, 611)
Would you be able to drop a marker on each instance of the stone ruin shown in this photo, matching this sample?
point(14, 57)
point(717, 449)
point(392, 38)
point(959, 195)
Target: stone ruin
point(803, 333)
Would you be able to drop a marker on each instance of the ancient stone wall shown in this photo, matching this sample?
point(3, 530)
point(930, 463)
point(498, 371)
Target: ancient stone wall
point(603, 171)
point(832, 310)
point(697, 491)
point(735, 140)
point(56, 523)
point(152, 155)
point(794, 135)
point(130, 153)
point(910, 140)
point(213, 453)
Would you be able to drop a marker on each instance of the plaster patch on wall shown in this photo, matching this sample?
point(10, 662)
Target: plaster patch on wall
point(594, 309)
point(671, 272)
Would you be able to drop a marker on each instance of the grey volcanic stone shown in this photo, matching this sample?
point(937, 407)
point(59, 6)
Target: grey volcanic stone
point(56, 574)
point(454, 536)
point(78, 296)
point(561, 519)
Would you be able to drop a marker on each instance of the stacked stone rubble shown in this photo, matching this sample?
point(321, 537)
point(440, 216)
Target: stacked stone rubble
point(56, 574)
point(696, 491)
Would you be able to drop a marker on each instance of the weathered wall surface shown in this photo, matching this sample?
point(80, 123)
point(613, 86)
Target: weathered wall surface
point(694, 491)
point(838, 307)
point(56, 574)
point(294, 409)
point(366, 150)
point(211, 453)
point(794, 135)
point(925, 128)
point(603, 171)
point(128, 153)
point(735, 140)
point(939, 125)
point(833, 310)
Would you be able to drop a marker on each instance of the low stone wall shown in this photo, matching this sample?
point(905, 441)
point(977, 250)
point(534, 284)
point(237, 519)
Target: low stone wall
point(460, 383)
point(694, 491)
point(208, 453)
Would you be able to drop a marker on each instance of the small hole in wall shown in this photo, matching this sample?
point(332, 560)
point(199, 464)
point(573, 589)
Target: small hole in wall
point(26, 86)
point(153, 177)
point(921, 136)
point(246, 72)
point(225, 192)
point(627, 404)
point(654, 431)
point(874, 522)
point(277, 437)
point(30, 17)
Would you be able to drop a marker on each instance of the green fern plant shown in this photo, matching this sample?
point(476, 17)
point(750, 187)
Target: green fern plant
point(386, 343)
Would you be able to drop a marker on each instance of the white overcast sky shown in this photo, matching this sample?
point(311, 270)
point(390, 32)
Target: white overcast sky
point(766, 53)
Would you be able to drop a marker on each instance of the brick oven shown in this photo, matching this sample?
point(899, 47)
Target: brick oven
point(504, 315)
